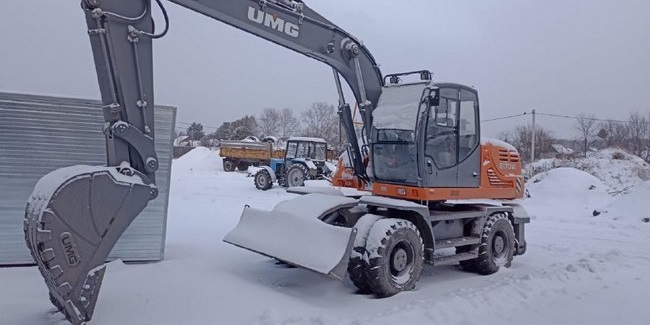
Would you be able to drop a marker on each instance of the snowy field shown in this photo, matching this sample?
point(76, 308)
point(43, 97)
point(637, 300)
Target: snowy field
point(579, 268)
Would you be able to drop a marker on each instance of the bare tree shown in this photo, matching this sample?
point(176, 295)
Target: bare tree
point(288, 124)
point(639, 128)
point(321, 121)
point(587, 130)
point(269, 121)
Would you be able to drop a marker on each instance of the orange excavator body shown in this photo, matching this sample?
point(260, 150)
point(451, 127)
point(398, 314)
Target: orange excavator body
point(501, 178)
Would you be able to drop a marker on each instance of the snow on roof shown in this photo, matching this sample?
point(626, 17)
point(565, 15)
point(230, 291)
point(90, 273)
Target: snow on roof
point(398, 106)
point(180, 139)
point(562, 149)
point(498, 143)
point(309, 139)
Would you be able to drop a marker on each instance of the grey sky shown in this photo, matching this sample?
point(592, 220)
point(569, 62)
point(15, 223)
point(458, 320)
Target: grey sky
point(558, 56)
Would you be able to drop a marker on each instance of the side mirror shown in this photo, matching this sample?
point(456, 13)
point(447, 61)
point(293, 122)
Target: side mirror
point(434, 97)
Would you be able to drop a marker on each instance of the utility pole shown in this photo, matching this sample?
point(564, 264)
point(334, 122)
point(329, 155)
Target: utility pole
point(532, 149)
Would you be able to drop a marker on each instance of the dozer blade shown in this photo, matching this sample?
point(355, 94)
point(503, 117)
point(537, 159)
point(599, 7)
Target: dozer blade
point(73, 219)
point(294, 232)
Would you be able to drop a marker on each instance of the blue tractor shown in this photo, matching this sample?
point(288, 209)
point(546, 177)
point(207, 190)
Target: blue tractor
point(305, 158)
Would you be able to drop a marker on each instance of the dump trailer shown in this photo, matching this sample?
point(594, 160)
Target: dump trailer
point(242, 154)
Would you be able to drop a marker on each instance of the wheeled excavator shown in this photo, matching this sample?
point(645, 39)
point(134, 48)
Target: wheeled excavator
point(422, 138)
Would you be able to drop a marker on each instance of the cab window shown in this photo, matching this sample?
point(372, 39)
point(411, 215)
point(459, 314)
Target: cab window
point(442, 130)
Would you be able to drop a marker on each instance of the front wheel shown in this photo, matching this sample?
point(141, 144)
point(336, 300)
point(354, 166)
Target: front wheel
point(395, 256)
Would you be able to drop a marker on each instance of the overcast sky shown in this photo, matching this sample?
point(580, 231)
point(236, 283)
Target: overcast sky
point(557, 56)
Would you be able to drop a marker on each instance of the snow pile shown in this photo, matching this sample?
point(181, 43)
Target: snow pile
point(198, 159)
point(632, 206)
point(617, 169)
point(568, 192)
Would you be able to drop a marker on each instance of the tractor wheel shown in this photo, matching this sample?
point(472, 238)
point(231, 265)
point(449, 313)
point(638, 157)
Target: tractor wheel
point(243, 166)
point(263, 180)
point(229, 165)
point(357, 264)
point(296, 175)
point(496, 248)
point(395, 256)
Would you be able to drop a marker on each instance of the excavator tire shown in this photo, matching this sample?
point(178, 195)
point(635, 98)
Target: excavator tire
point(263, 180)
point(496, 248)
point(357, 264)
point(296, 175)
point(395, 257)
point(229, 165)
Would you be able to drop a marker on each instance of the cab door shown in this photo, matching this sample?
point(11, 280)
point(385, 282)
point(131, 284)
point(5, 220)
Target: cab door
point(441, 141)
point(469, 154)
point(451, 139)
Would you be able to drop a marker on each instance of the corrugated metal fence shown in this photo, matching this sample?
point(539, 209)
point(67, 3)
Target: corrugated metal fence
point(39, 134)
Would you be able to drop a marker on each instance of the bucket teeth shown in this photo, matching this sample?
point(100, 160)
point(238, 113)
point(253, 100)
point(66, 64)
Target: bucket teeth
point(71, 228)
point(47, 255)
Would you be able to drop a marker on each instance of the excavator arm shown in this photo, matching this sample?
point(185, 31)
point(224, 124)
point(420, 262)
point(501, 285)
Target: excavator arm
point(75, 215)
point(121, 32)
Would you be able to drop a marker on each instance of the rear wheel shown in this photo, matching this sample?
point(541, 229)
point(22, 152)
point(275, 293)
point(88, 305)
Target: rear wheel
point(296, 175)
point(263, 180)
point(395, 256)
point(243, 166)
point(229, 165)
point(496, 248)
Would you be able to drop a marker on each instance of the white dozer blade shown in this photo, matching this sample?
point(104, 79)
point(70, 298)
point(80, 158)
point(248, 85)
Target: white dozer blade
point(294, 232)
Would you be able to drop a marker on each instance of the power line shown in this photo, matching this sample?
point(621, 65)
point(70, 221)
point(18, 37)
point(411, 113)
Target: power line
point(586, 118)
point(504, 117)
point(190, 123)
point(561, 116)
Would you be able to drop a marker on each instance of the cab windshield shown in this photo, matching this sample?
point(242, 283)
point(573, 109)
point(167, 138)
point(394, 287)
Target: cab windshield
point(394, 157)
point(306, 150)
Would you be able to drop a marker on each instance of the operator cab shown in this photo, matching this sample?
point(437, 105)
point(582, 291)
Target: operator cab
point(426, 134)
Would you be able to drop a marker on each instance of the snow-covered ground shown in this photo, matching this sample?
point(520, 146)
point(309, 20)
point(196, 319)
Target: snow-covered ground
point(579, 268)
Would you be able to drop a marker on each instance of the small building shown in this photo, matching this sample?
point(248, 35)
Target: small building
point(39, 134)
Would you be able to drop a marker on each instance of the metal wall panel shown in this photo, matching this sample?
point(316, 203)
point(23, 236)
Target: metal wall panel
point(39, 134)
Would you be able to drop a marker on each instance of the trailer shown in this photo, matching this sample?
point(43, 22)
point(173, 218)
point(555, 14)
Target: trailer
point(240, 154)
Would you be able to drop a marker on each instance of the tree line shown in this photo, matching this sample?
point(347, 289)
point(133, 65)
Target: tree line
point(320, 120)
point(631, 135)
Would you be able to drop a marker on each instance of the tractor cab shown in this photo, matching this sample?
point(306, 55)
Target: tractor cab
point(311, 151)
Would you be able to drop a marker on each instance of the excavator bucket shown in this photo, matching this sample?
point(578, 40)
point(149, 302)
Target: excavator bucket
point(295, 232)
point(73, 219)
